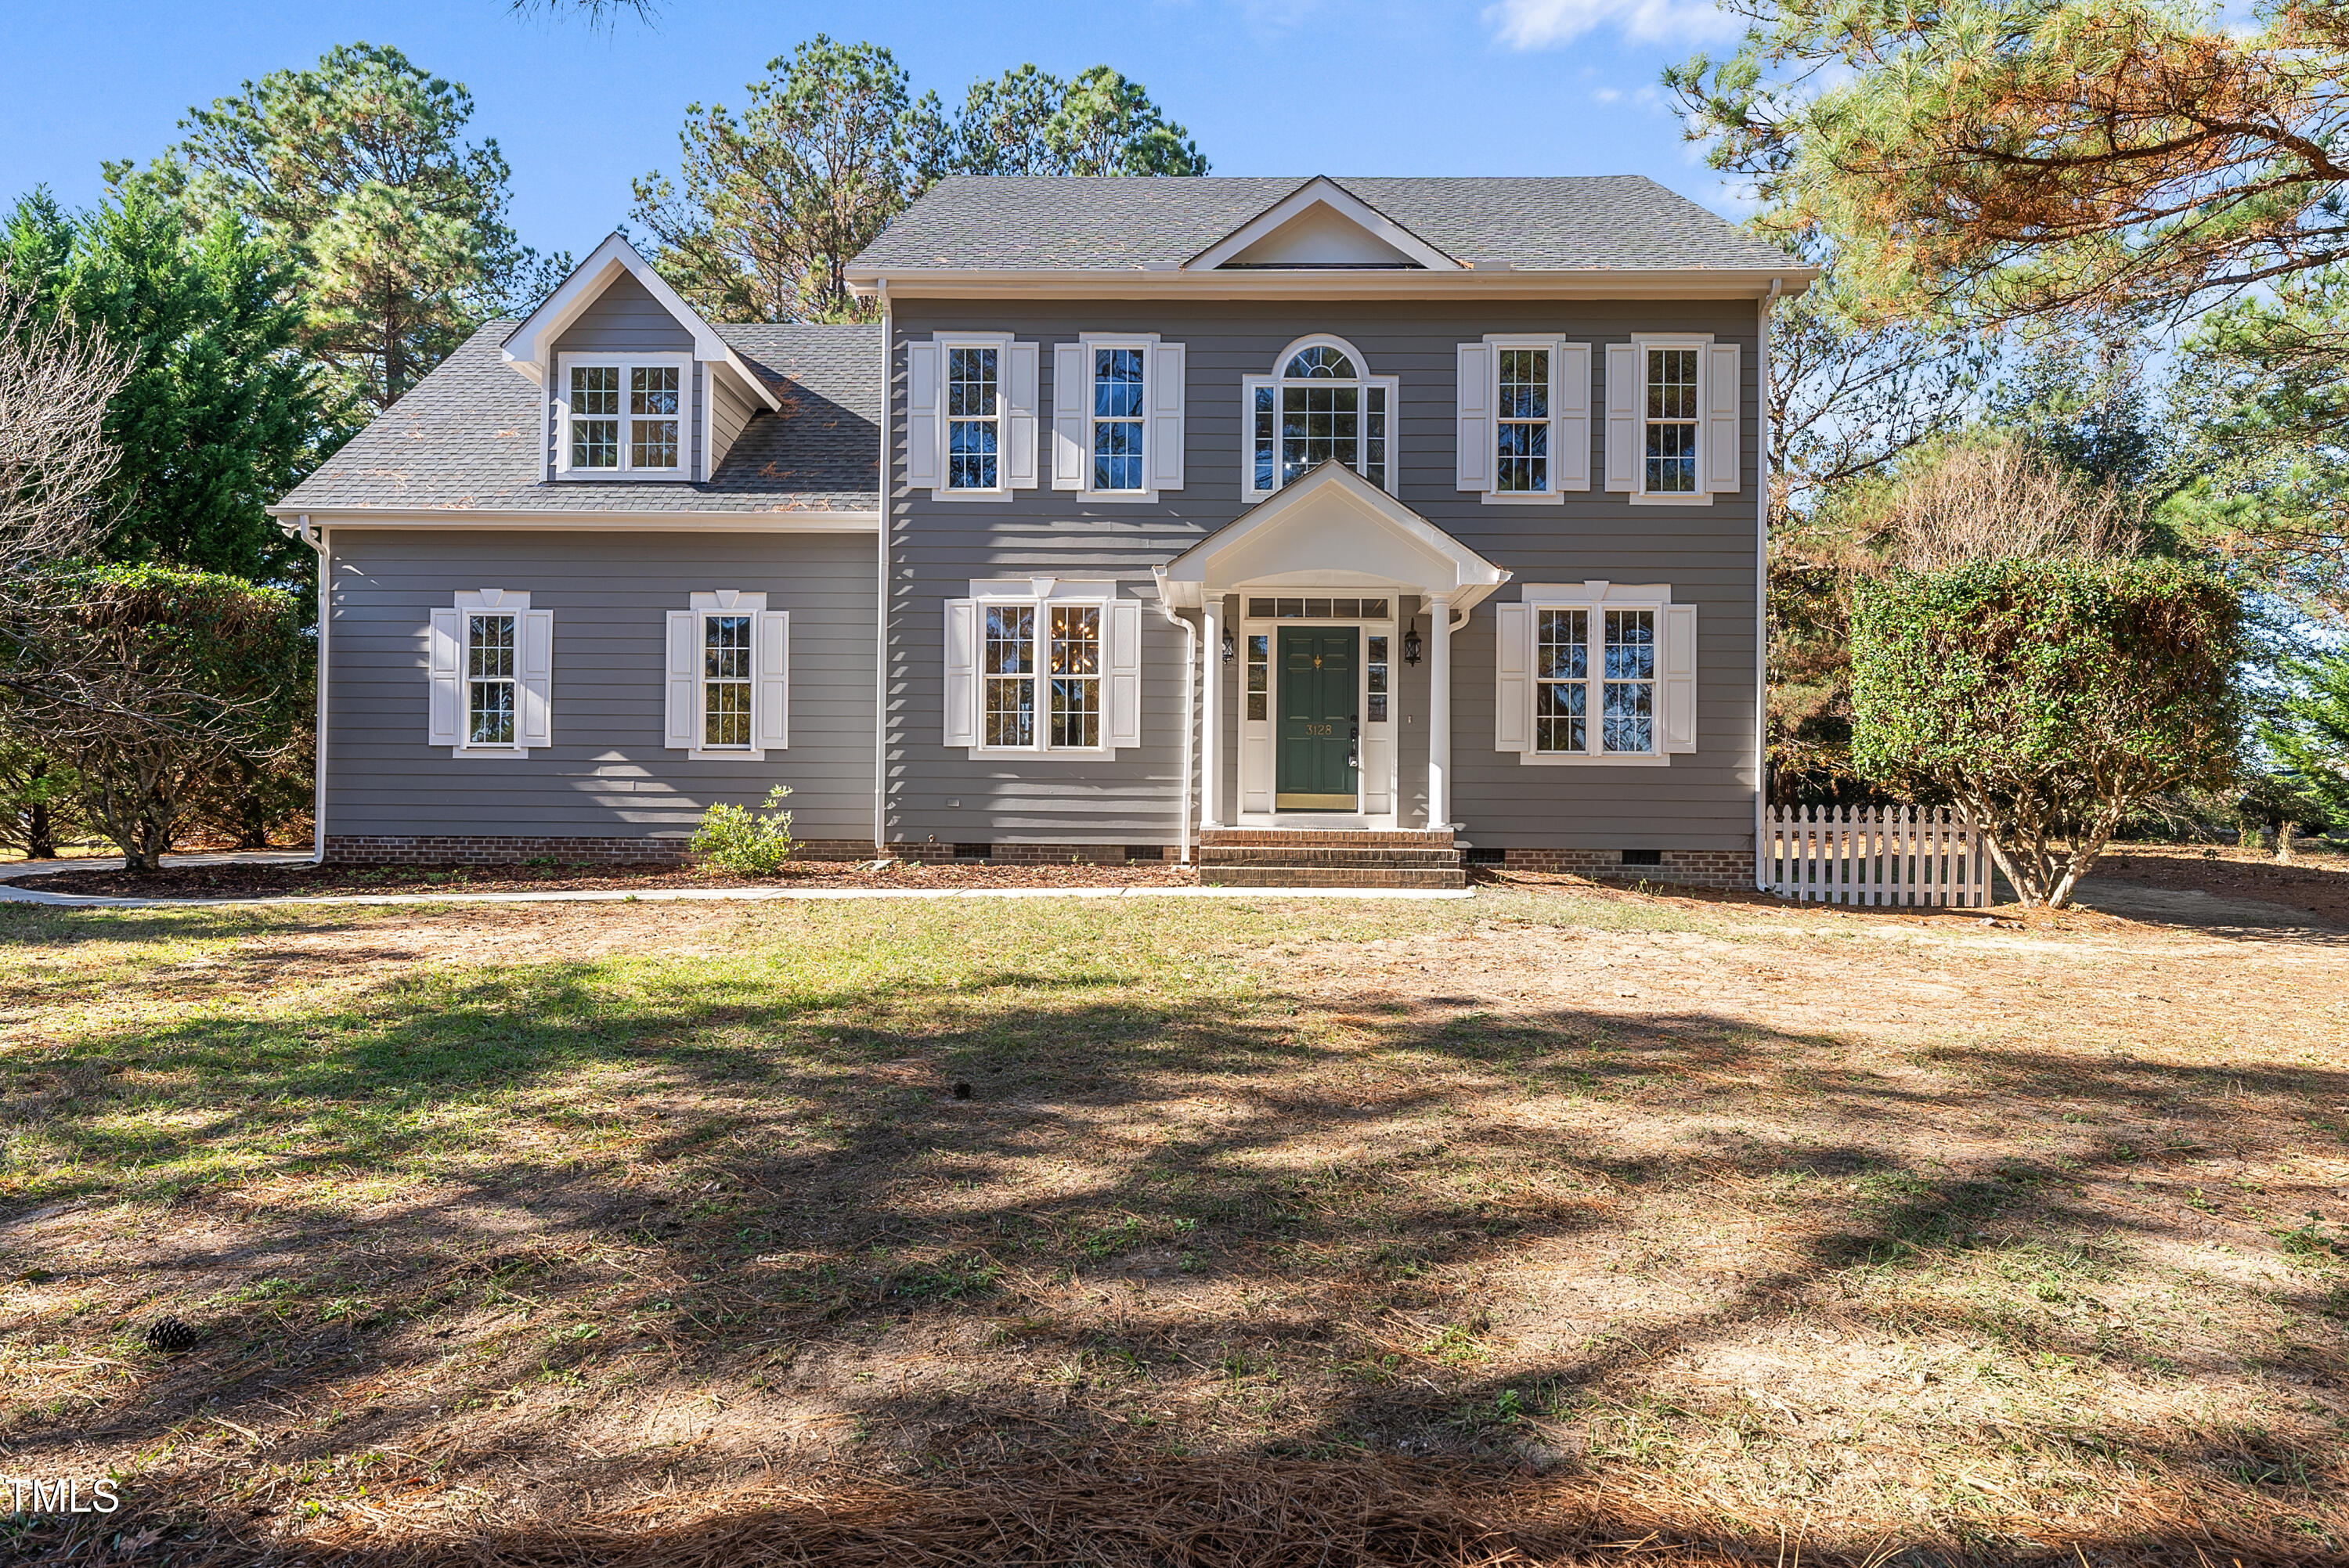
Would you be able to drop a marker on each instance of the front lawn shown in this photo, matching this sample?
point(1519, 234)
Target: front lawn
point(1440, 1231)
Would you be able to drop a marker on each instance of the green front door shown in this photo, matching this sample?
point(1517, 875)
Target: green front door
point(1315, 765)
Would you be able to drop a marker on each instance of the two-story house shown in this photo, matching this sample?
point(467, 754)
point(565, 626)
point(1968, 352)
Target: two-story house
point(1321, 530)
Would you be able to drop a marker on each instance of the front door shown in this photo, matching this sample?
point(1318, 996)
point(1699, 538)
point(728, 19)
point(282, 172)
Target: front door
point(1317, 762)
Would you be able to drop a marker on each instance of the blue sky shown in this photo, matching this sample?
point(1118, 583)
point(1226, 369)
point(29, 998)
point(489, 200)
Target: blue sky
point(1268, 86)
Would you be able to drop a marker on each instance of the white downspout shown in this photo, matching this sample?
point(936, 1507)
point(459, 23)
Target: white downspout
point(1190, 688)
point(881, 606)
point(316, 538)
point(1761, 594)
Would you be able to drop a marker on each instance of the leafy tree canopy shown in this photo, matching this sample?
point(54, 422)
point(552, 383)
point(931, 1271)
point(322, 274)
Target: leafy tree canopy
point(771, 205)
point(397, 226)
point(218, 416)
point(2029, 156)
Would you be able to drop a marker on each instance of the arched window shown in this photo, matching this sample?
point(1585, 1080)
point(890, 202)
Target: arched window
point(1319, 405)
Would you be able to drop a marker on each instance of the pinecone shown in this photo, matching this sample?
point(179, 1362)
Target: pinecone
point(171, 1333)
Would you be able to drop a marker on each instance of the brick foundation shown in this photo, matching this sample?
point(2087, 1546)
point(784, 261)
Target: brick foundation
point(1726, 868)
point(1039, 854)
point(488, 849)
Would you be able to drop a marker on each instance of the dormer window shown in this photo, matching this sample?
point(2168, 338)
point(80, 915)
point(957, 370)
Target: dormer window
point(1319, 405)
point(622, 417)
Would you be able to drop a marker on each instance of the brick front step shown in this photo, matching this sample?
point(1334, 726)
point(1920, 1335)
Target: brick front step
point(1215, 856)
point(1426, 877)
point(1333, 838)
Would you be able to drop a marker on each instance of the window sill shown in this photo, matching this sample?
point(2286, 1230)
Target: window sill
point(489, 752)
point(942, 493)
point(1641, 498)
point(620, 476)
point(1604, 759)
point(729, 754)
point(1524, 498)
point(1042, 754)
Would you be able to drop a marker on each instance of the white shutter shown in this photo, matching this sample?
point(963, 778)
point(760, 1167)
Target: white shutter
point(1166, 417)
point(1071, 399)
point(1124, 633)
point(772, 701)
point(1623, 415)
point(1019, 417)
point(1513, 702)
point(922, 445)
point(1723, 394)
point(1569, 442)
point(1680, 677)
point(961, 673)
point(443, 663)
point(1475, 457)
point(682, 728)
point(537, 682)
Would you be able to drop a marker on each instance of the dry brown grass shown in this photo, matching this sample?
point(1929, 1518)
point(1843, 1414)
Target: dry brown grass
point(1512, 1232)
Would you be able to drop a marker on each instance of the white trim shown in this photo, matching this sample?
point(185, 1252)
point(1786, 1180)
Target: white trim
point(1277, 381)
point(770, 677)
point(1012, 415)
point(1569, 421)
point(1562, 283)
point(1641, 344)
point(1379, 749)
point(780, 520)
point(1522, 680)
point(529, 348)
point(532, 676)
point(1042, 594)
point(1325, 191)
point(1086, 344)
point(558, 396)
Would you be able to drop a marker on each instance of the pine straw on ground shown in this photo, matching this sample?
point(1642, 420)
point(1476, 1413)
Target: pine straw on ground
point(311, 881)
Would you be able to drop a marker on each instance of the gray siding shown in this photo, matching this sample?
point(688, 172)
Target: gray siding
point(608, 773)
point(728, 412)
point(1702, 802)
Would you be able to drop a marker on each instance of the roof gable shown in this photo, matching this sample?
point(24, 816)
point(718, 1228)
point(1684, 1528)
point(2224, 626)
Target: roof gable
point(1321, 225)
point(529, 348)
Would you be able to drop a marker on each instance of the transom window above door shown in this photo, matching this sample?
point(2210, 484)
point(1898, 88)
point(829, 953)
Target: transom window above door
point(622, 417)
point(1320, 404)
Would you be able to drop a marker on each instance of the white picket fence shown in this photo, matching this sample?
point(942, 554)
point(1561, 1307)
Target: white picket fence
point(1889, 854)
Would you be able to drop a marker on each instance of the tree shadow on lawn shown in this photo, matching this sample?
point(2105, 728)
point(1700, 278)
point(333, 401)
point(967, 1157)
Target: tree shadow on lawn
point(1296, 1221)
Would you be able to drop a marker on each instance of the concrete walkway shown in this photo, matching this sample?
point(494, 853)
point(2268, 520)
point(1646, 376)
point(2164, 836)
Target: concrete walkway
point(13, 894)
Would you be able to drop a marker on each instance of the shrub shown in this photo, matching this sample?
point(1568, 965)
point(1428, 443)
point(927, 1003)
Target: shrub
point(751, 843)
point(2050, 699)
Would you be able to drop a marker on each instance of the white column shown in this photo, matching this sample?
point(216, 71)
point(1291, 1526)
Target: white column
point(1211, 717)
point(1439, 713)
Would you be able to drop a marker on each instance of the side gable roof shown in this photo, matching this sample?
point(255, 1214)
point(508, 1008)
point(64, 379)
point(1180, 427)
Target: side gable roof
point(463, 441)
point(1109, 222)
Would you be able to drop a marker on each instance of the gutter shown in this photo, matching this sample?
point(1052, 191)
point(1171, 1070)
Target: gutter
point(316, 538)
point(774, 520)
point(881, 605)
point(1485, 280)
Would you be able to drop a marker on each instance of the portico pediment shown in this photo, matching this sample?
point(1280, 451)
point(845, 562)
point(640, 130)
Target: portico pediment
point(1333, 528)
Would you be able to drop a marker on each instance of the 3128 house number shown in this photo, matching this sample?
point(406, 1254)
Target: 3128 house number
point(1320, 729)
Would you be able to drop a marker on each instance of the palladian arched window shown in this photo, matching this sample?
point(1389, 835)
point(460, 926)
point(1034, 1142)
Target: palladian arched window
point(1319, 405)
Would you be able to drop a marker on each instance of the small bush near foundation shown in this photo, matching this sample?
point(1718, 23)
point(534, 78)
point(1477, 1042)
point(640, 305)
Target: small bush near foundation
point(752, 844)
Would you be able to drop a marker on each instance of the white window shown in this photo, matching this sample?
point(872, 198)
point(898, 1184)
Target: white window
point(970, 416)
point(489, 667)
point(1054, 668)
point(618, 416)
point(1320, 404)
point(1117, 416)
point(729, 677)
point(1523, 417)
point(1673, 420)
point(1595, 672)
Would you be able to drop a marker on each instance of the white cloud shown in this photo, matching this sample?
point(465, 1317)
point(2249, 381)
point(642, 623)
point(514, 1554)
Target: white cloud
point(1538, 24)
point(1604, 94)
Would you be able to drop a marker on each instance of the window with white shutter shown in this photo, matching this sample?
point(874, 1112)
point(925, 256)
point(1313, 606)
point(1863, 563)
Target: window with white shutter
point(971, 408)
point(727, 677)
point(1596, 673)
point(1672, 419)
point(1117, 416)
point(1055, 670)
point(1524, 428)
point(490, 674)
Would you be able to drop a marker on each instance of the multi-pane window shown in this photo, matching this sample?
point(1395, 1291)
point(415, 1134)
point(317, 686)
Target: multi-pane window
point(1319, 409)
point(974, 418)
point(1375, 676)
point(1671, 421)
point(1075, 668)
point(1522, 441)
point(1008, 665)
point(652, 416)
point(1562, 681)
point(726, 677)
point(1259, 675)
point(1117, 419)
point(489, 680)
point(626, 418)
point(1628, 720)
point(1622, 666)
point(594, 416)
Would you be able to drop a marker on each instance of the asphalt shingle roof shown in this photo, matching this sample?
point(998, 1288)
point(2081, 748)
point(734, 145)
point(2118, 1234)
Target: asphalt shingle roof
point(463, 439)
point(1032, 223)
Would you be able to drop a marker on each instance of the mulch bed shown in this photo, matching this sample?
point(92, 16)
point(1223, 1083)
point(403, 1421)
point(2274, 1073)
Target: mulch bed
point(307, 880)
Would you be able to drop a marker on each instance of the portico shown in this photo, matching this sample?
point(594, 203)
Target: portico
point(1312, 603)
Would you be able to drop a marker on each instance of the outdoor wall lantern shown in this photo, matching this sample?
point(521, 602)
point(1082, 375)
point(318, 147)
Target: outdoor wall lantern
point(1229, 652)
point(1410, 646)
